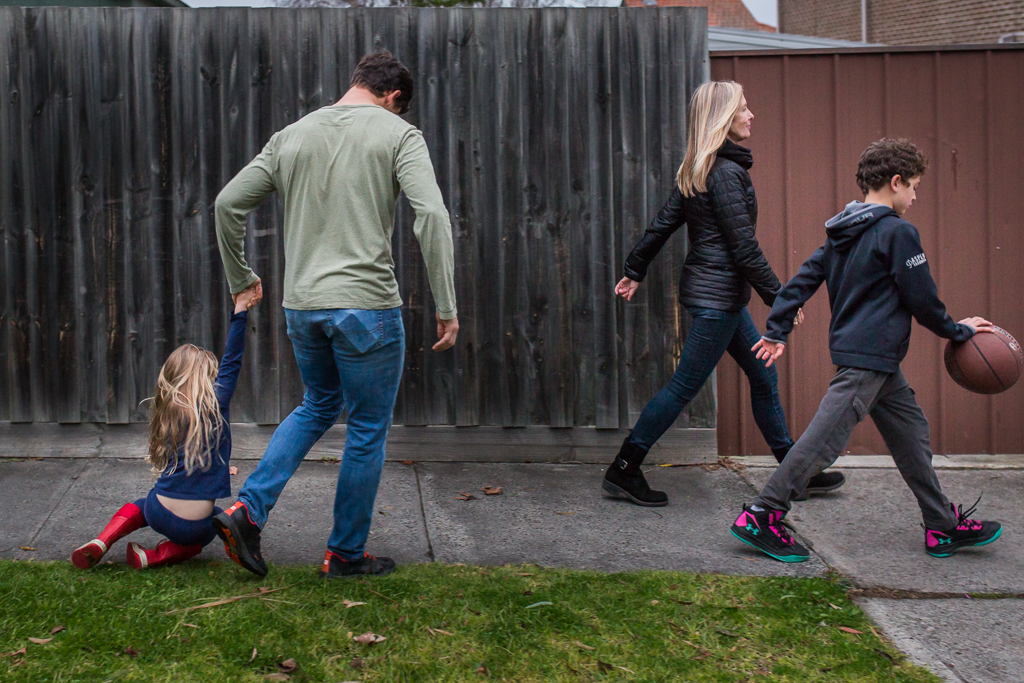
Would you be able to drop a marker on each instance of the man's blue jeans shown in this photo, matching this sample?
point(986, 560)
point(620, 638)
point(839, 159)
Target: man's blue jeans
point(352, 359)
point(712, 333)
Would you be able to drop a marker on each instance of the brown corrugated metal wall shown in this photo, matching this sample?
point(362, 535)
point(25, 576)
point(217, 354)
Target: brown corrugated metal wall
point(814, 114)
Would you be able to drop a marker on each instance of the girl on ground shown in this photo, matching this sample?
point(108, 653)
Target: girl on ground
point(190, 449)
point(715, 198)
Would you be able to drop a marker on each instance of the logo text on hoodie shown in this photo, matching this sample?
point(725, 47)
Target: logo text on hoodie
point(916, 260)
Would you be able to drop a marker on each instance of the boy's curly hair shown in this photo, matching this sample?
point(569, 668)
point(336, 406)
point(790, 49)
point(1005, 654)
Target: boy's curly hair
point(886, 158)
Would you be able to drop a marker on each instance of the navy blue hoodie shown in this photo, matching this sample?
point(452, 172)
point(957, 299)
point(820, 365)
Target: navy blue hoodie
point(877, 277)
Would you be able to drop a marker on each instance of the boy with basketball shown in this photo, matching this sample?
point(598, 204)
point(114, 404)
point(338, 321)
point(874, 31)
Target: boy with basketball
point(877, 277)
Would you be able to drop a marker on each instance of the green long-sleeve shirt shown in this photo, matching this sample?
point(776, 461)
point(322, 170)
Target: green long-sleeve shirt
point(339, 171)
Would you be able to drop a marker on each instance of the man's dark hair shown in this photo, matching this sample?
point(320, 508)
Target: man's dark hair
point(886, 158)
point(381, 73)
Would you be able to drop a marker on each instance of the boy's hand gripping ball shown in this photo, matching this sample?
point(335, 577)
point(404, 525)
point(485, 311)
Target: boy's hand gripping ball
point(987, 363)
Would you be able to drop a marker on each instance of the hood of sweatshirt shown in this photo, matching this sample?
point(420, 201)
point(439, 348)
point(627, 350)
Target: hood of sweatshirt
point(845, 228)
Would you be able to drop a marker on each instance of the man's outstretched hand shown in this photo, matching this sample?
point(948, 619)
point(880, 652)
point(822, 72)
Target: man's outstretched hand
point(248, 297)
point(768, 351)
point(447, 331)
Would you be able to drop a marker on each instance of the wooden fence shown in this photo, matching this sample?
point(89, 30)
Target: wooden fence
point(555, 135)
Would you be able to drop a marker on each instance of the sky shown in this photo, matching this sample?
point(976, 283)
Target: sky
point(765, 11)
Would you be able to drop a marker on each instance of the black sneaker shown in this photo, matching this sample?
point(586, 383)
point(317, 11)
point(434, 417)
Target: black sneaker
point(241, 538)
point(623, 478)
point(968, 532)
point(822, 483)
point(336, 567)
point(765, 531)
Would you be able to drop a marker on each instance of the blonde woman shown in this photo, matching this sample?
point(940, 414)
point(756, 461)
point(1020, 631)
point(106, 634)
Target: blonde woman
point(190, 450)
point(715, 198)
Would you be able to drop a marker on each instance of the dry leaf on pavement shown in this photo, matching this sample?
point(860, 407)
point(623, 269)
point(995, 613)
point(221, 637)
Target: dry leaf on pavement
point(369, 638)
point(465, 496)
point(26, 547)
point(492, 490)
point(408, 462)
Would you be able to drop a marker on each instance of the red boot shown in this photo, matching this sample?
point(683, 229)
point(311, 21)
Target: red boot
point(126, 520)
point(165, 552)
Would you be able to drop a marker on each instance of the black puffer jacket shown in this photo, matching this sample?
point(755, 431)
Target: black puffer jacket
point(725, 259)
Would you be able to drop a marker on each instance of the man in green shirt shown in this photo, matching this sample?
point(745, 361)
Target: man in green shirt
point(339, 172)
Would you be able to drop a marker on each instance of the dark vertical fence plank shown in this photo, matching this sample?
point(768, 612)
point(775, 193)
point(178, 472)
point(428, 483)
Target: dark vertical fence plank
point(41, 105)
point(510, 84)
point(582, 225)
point(263, 357)
point(234, 138)
point(9, 20)
point(17, 280)
point(600, 207)
point(285, 87)
point(212, 291)
point(66, 228)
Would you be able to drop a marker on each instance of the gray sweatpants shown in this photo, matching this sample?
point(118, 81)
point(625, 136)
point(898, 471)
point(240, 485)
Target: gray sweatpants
point(852, 395)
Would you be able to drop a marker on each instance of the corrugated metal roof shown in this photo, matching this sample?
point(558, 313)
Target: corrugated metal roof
point(721, 39)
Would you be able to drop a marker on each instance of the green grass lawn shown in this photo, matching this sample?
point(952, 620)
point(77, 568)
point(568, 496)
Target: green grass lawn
point(441, 623)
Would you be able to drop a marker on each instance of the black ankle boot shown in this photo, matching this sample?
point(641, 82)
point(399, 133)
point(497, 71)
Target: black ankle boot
point(623, 478)
point(822, 482)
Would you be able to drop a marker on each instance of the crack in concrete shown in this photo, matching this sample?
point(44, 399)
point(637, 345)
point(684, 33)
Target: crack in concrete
point(71, 483)
point(423, 514)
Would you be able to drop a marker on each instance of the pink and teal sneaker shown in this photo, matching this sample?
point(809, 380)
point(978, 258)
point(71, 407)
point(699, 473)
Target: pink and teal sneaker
point(765, 531)
point(968, 532)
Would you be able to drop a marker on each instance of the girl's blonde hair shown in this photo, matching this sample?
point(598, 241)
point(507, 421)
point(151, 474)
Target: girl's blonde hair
point(186, 416)
point(712, 109)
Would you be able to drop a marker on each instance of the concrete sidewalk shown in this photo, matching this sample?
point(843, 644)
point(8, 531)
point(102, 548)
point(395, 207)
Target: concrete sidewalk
point(555, 515)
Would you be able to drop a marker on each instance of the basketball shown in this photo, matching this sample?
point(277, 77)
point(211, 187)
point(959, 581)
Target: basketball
point(987, 363)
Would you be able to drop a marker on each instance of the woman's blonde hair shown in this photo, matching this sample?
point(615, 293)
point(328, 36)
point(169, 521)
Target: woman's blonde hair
point(712, 109)
point(186, 416)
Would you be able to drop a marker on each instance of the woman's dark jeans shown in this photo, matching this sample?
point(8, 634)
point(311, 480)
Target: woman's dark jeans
point(712, 333)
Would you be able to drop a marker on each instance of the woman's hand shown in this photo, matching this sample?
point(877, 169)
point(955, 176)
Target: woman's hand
point(248, 297)
point(799, 317)
point(626, 288)
point(768, 351)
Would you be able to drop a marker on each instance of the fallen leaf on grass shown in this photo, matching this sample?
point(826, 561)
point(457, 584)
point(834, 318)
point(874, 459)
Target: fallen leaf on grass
point(232, 470)
point(604, 666)
point(369, 638)
point(523, 574)
point(538, 604)
point(847, 629)
point(492, 490)
point(582, 645)
point(253, 658)
point(131, 652)
point(349, 604)
point(435, 631)
point(40, 641)
point(56, 629)
point(26, 547)
point(885, 654)
point(357, 663)
point(654, 602)
point(834, 606)
point(681, 602)
point(18, 653)
point(278, 677)
point(465, 496)
point(287, 666)
point(190, 625)
point(482, 670)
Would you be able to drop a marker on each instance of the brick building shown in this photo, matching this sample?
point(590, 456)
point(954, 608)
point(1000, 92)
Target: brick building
point(906, 22)
point(724, 13)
